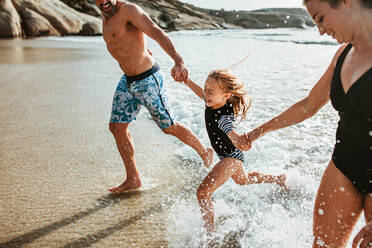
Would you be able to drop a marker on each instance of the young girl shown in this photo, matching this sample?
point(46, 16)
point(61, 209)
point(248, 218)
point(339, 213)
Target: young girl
point(225, 100)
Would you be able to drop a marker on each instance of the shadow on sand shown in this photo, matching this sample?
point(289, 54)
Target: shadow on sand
point(103, 202)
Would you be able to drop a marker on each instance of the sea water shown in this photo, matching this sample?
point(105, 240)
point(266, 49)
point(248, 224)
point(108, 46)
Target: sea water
point(281, 68)
point(244, 5)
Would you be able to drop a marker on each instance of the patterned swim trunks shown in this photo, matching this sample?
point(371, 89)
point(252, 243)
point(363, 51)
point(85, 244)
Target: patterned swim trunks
point(145, 89)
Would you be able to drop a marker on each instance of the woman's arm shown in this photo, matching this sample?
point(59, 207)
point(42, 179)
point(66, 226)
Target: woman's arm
point(195, 88)
point(302, 110)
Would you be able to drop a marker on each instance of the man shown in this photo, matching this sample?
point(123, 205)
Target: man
point(124, 28)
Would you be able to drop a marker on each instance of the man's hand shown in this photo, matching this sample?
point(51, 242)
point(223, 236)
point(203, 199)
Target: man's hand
point(364, 235)
point(179, 73)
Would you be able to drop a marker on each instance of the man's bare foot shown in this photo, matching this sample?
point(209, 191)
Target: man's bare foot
point(207, 157)
point(126, 186)
point(281, 181)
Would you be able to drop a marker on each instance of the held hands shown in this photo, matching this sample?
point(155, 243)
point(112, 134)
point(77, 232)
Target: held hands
point(364, 235)
point(179, 73)
point(241, 143)
point(248, 139)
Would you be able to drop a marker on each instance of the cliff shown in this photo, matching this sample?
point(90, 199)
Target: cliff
point(33, 18)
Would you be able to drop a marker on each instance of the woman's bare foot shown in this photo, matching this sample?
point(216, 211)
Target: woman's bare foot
point(281, 181)
point(207, 157)
point(126, 186)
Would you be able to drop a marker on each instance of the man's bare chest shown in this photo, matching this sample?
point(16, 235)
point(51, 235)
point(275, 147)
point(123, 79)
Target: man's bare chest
point(115, 31)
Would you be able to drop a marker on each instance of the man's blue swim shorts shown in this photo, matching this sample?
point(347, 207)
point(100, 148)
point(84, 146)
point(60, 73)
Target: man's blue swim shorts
point(145, 89)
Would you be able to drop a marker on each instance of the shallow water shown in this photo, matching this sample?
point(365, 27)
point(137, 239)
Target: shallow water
point(283, 65)
point(58, 157)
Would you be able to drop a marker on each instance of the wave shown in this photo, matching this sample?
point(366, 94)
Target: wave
point(87, 39)
point(297, 36)
point(302, 42)
point(308, 36)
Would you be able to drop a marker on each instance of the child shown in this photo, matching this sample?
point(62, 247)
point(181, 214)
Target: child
point(225, 100)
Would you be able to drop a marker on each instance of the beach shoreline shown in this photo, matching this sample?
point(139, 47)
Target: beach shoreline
point(58, 157)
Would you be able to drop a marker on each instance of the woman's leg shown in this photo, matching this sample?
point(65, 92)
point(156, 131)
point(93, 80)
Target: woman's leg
point(337, 208)
point(220, 173)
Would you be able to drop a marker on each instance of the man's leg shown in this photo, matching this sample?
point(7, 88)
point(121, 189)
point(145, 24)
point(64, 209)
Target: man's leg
point(184, 134)
point(125, 146)
point(151, 94)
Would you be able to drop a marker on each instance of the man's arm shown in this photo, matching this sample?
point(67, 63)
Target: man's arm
point(143, 22)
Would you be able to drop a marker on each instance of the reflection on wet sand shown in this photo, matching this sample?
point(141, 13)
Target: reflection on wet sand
point(58, 158)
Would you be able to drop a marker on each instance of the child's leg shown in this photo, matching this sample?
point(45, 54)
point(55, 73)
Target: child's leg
point(241, 178)
point(220, 173)
point(185, 135)
point(256, 177)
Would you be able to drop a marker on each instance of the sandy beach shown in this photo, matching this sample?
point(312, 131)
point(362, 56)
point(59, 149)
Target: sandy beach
point(58, 158)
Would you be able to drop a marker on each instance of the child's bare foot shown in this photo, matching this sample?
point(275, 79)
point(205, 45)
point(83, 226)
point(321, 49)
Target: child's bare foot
point(126, 186)
point(207, 157)
point(281, 181)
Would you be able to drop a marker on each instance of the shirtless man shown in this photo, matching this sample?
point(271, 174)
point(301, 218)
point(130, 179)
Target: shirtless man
point(124, 28)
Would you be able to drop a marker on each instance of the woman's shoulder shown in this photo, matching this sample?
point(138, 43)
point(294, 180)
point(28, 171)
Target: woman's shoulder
point(340, 50)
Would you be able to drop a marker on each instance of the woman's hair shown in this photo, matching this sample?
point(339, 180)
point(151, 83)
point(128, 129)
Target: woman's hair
point(229, 83)
point(336, 3)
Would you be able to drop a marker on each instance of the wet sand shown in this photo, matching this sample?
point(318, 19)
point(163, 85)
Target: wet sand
point(58, 158)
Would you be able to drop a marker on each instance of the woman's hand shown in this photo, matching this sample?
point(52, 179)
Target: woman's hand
point(239, 141)
point(242, 143)
point(364, 235)
point(250, 137)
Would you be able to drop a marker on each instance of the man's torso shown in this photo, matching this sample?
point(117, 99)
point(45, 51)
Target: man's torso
point(126, 43)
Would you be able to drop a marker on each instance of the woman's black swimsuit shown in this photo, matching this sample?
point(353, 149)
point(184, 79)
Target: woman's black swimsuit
point(219, 122)
point(352, 153)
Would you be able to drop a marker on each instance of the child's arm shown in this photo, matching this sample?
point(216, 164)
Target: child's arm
point(194, 87)
point(226, 124)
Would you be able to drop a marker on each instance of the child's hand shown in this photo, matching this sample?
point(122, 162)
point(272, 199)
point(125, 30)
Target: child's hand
point(244, 146)
point(179, 73)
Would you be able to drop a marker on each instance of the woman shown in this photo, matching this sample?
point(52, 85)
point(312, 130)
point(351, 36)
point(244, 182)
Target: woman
point(346, 187)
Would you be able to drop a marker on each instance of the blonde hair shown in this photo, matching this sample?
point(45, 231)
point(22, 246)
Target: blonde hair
point(230, 83)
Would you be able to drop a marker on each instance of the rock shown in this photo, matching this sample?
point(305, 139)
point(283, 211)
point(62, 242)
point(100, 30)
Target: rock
point(84, 6)
point(173, 15)
point(91, 28)
point(62, 17)
point(10, 21)
point(266, 18)
point(35, 25)
point(65, 20)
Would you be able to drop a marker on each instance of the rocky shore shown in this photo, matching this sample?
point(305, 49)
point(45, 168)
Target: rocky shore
point(34, 18)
